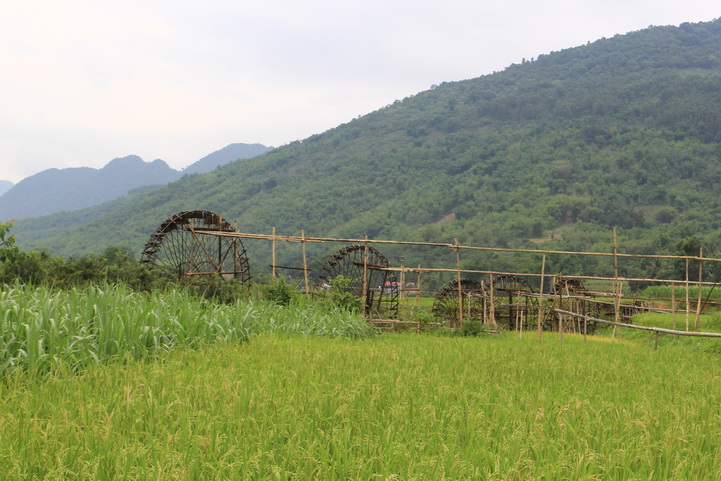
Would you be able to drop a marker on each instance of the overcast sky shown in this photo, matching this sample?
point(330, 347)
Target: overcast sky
point(86, 81)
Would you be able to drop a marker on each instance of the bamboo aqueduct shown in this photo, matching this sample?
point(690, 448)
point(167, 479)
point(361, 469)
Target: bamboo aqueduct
point(201, 244)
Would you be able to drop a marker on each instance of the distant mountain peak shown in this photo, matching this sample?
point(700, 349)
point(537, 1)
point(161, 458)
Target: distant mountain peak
point(129, 160)
point(227, 154)
point(5, 185)
point(54, 190)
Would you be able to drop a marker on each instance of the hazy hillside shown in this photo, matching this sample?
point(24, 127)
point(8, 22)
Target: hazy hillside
point(227, 154)
point(5, 186)
point(59, 190)
point(56, 190)
point(555, 151)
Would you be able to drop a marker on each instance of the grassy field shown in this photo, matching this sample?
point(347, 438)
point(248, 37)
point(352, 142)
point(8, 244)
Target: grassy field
point(398, 406)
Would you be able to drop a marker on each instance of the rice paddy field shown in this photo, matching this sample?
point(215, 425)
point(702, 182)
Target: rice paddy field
point(252, 391)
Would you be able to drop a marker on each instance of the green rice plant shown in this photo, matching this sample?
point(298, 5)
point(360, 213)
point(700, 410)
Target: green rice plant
point(395, 407)
point(42, 329)
point(679, 291)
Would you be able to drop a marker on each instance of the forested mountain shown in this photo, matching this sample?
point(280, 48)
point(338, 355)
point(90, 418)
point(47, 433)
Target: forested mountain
point(556, 151)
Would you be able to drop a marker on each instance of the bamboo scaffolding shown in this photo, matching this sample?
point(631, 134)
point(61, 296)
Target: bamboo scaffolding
point(489, 314)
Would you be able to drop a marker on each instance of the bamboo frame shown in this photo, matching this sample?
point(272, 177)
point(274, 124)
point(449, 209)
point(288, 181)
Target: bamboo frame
point(287, 238)
point(458, 271)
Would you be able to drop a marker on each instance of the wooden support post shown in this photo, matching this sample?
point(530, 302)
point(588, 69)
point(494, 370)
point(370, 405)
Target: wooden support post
point(560, 316)
point(305, 264)
point(673, 304)
point(687, 300)
point(491, 307)
point(403, 288)
point(540, 298)
point(700, 280)
point(364, 282)
point(460, 289)
point(418, 286)
point(272, 254)
point(655, 344)
point(616, 289)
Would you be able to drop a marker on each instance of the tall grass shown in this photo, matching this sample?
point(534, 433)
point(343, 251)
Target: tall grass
point(397, 407)
point(42, 329)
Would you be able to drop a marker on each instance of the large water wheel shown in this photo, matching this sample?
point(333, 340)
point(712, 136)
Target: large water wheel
point(511, 301)
point(381, 287)
point(192, 244)
point(450, 304)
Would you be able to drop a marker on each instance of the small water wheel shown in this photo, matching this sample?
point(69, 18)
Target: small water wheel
point(448, 304)
point(381, 287)
point(191, 244)
point(571, 295)
point(515, 305)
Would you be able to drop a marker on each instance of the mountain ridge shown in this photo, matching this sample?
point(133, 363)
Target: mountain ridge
point(55, 190)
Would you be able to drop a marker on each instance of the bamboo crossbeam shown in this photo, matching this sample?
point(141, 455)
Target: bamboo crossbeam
point(286, 267)
point(644, 328)
point(288, 238)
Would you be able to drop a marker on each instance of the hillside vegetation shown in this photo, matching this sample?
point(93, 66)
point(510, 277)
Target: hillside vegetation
point(553, 152)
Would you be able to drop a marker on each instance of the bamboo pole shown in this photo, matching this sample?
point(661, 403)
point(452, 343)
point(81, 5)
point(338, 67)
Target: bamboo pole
point(460, 290)
point(364, 282)
point(687, 301)
point(560, 316)
point(540, 299)
point(305, 266)
point(403, 288)
point(491, 305)
point(617, 298)
point(673, 304)
point(698, 301)
point(440, 244)
point(272, 254)
point(235, 254)
point(418, 286)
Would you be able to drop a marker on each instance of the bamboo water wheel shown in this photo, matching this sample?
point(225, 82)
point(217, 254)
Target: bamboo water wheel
point(448, 305)
point(191, 244)
point(511, 302)
point(381, 286)
point(571, 295)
